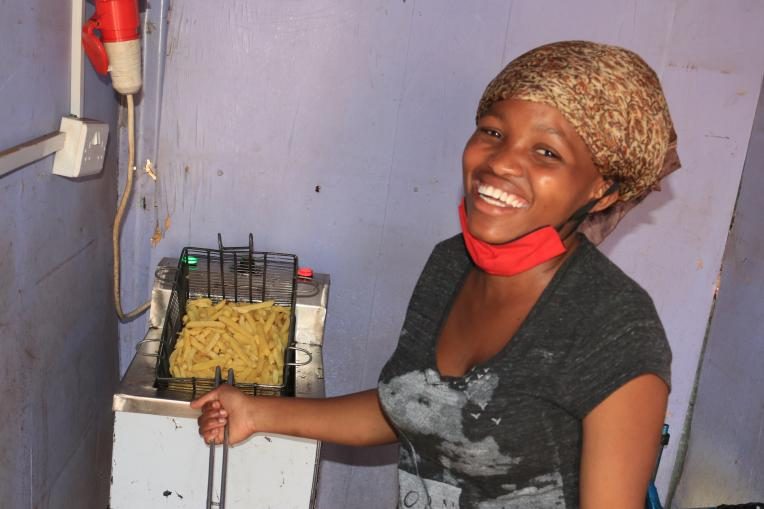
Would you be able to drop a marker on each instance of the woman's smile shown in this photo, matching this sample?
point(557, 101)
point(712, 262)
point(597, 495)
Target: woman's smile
point(499, 198)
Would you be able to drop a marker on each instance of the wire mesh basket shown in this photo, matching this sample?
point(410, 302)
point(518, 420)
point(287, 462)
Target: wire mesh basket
point(236, 274)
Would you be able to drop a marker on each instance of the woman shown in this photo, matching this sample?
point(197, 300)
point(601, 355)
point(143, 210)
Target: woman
point(530, 372)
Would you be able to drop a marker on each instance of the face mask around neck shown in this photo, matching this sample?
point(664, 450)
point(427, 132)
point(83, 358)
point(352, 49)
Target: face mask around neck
point(514, 257)
point(525, 252)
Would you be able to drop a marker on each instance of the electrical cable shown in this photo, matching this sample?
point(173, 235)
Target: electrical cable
point(124, 200)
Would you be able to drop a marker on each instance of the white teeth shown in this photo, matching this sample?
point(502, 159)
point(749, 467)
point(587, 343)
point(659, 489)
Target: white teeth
point(494, 202)
point(500, 198)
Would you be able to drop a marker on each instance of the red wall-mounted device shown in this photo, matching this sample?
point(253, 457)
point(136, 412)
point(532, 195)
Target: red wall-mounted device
point(118, 23)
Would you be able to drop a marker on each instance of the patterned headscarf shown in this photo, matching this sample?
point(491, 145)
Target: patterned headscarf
point(613, 100)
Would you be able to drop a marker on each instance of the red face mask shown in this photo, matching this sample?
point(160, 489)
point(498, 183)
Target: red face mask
point(513, 257)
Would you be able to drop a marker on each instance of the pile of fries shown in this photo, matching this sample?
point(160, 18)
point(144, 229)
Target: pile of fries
point(250, 338)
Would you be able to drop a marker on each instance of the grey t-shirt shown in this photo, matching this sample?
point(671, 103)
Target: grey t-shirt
point(508, 433)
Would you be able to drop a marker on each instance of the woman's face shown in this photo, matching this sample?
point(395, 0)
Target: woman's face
point(525, 167)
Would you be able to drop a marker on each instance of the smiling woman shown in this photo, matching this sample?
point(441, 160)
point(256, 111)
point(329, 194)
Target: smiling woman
point(530, 372)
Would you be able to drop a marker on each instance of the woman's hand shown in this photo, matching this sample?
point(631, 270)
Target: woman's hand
point(225, 405)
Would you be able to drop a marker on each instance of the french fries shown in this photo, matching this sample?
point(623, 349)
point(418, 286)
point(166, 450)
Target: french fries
point(250, 338)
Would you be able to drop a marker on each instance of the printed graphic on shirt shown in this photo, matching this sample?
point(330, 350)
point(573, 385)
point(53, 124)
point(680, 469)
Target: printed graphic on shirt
point(414, 493)
point(544, 492)
point(425, 406)
point(441, 411)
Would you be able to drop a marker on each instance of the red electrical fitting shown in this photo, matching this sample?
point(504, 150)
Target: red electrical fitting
point(305, 272)
point(118, 21)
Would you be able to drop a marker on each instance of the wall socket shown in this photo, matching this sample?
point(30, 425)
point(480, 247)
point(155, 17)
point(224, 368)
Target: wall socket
point(84, 148)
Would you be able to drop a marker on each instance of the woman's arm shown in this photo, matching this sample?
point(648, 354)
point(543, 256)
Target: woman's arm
point(620, 445)
point(355, 419)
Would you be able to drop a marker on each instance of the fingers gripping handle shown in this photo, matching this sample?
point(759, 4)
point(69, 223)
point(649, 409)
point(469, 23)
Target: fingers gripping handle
point(220, 504)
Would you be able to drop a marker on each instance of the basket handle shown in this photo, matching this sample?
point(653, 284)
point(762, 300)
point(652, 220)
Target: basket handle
point(251, 244)
point(143, 342)
point(310, 356)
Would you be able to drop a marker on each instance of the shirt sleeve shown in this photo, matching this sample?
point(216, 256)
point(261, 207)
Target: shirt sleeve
point(624, 341)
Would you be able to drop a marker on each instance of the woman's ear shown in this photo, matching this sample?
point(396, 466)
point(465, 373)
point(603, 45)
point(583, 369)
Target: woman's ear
point(606, 195)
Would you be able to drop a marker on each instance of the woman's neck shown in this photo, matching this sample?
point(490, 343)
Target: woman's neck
point(496, 290)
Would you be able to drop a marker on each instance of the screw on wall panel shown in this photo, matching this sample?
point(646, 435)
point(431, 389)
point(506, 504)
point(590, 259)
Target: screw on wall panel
point(318, 189)
point(143, 203)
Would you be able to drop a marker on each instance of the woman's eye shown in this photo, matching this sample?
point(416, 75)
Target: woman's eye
point(490, 132)
point(546, 153)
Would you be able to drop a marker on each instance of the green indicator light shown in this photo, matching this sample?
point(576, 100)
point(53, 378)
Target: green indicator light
point(190, 260)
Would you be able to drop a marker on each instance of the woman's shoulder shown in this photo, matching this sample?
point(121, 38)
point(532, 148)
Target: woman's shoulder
point(617, 333)
point(453, 246)
point(598, 278)
point(448, 256)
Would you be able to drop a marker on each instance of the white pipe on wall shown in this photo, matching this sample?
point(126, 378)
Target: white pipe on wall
point(76, 68)
point(29, 152)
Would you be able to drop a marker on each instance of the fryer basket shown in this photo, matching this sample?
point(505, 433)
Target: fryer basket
point(238, 274)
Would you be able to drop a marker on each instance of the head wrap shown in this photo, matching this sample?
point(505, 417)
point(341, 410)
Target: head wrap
point(613, 100)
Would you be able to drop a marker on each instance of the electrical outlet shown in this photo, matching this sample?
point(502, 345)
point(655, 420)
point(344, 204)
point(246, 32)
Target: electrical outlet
point(84, 148)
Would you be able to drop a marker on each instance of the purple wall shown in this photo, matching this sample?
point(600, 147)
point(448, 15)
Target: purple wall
point(725, 459)
point(373, 102)
point(58, 335)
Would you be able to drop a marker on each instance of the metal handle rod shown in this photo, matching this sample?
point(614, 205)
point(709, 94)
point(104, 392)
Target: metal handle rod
point(224, 473)
point(220, 504)
point(211, 467)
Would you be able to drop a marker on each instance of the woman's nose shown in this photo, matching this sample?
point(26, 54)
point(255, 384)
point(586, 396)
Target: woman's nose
point(505, 161)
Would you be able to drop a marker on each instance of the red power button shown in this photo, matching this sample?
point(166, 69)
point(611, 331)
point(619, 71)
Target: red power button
point(305, 272)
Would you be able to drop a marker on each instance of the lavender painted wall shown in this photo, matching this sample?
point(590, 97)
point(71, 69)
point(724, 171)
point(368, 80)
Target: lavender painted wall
point(58, 335)
point(724, 463)
point(333, 129)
